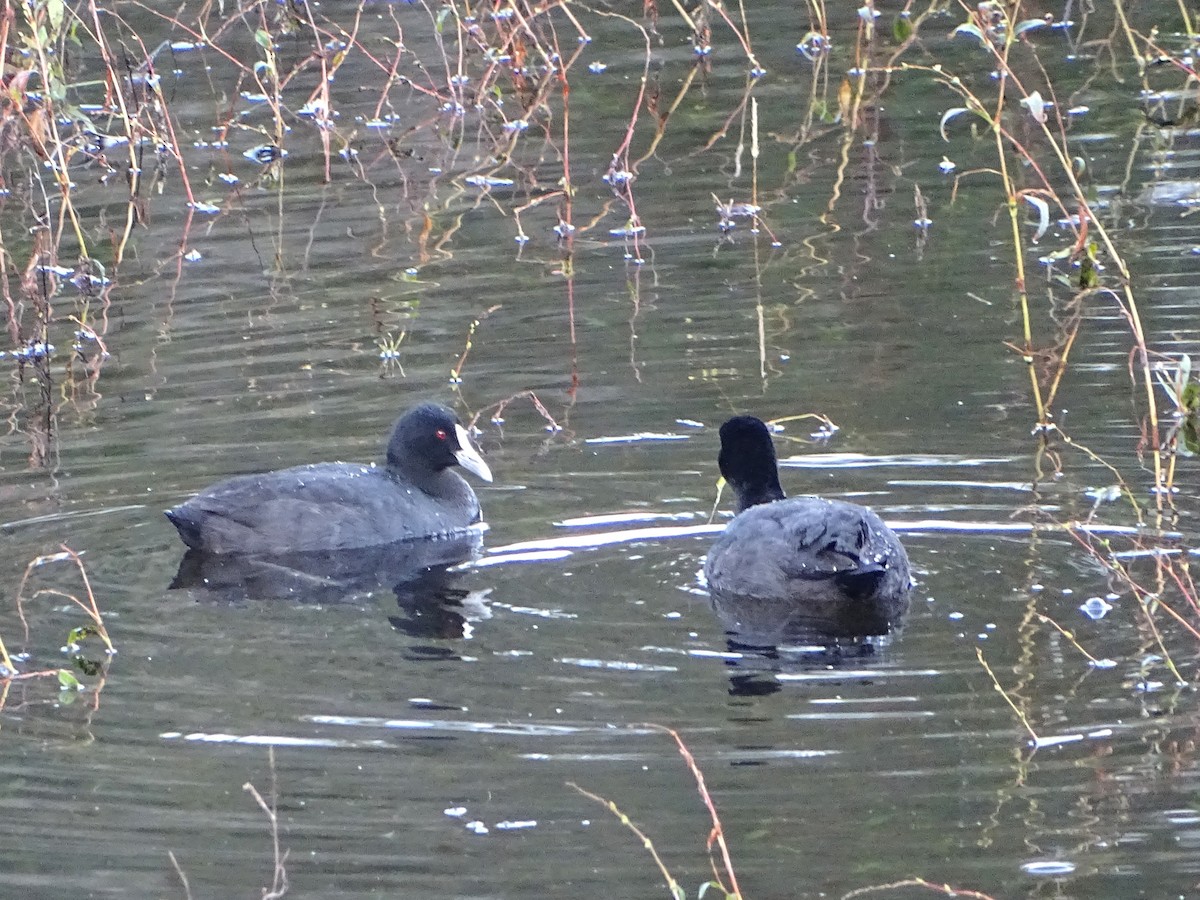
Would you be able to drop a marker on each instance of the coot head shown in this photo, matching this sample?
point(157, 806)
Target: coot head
point(747, 462)
point(429, 438)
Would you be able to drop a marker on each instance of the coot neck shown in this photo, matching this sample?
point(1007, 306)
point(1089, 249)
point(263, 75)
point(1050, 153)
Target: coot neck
point(753, 476)
point(752, 493)
point(435, 482)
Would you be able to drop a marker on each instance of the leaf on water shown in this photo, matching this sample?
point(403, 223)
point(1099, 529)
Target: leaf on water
point(1190, 398)
point(80, 633)
point(947, 116)
point(1191, 440)
point(67, 681)
point(1028, 25)
point(902, 28)
point(1036, 106)
point(262, 37)
point(1088, 276)
point(1043, 209)
point(440, 22)
point(55, 9)
point(971, 29)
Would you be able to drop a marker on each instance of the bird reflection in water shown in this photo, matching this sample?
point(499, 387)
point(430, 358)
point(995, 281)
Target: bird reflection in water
point(423, 574)
point(767, 638)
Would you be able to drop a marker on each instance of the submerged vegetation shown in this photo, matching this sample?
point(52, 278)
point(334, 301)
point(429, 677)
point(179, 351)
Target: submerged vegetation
point(471, 106)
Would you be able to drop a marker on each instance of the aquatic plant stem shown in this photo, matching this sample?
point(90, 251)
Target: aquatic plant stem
point(279, 879)
point(717, 834)
point(1069, 635)
point(674, 886)
point(91, 607)
point(948, 890)
point(1003, 693)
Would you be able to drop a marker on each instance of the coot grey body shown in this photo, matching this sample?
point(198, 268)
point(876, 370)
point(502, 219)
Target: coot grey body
point(340, 506)
point(828, 563)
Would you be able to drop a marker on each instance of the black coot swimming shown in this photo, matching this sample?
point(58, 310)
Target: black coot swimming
point(804, 562)
point(342, 506)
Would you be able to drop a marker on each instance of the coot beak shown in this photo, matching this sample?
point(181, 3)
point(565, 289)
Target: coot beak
point(468, 457)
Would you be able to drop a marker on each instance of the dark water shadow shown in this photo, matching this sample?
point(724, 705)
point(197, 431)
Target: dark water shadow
point(422, 574)
point(767, 638)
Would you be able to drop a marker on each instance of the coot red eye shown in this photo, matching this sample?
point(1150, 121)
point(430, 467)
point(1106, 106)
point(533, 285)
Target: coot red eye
point(440, 434)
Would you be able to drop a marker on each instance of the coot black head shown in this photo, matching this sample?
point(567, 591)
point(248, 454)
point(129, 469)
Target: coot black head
point(429, 438)
point(747, 462)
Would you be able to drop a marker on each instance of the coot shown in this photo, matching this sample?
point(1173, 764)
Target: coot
point(339, 506)
point(829, 564)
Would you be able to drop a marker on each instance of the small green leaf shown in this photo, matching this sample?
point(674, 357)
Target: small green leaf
point(80, 633)
point(55, 10)
point(1191, 440)
point(262, 37)
point(902, 28)
point(1190, 398)
point(88, 667)
point(67, 681)
point(440, 21)
point(1088, 276)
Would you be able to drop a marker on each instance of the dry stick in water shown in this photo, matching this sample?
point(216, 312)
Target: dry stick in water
point(91, 608)
point(279, 880)
point(948, 890)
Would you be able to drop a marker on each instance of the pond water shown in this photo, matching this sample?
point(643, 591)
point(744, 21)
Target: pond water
point(428, 749)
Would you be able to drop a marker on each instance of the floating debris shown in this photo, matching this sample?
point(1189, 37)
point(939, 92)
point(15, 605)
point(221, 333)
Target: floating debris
point(629, 230)
point(731, 210)
point(488, 181)
point(637, 438)
point(31, 351)
point(193, 256)
point(229, 178)
point(1096, 608)
point(814, 45)
point(597, 67)
point(516, 125)
point(264, 154)
point(316, 108)
point(947, 166)
point(202, 207)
